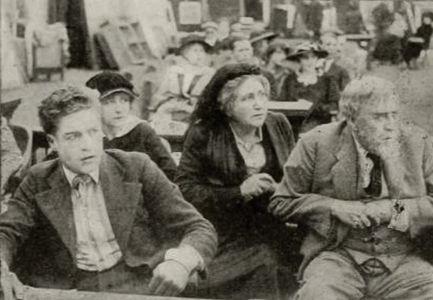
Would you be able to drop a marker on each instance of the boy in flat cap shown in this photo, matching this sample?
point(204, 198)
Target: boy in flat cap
point(123, 130)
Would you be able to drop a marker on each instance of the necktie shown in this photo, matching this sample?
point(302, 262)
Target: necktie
point(373, 267)
point(79, 184)
point(374, 189)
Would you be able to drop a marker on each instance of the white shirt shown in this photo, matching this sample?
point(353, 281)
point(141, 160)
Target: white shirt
point(97, 247)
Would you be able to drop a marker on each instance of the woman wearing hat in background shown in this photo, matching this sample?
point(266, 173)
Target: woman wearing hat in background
point(233, 155)
point(183, 82)
point(123, 130)
point(276, 62)
point(308, 83)
point(260, 41)
point(211, 34)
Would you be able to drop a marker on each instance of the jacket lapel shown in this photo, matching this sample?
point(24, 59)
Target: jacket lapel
point(121, 199)
point(56, 204)
point(345, 171)
point(280, 144)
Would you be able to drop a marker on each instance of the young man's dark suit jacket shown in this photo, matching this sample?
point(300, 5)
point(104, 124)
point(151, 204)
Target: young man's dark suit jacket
point(147, 212)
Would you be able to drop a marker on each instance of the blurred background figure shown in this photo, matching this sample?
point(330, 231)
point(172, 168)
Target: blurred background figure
point(291, 9)
point(330, 64)
point(11, 156)
point(260, 42)
point(233, 155)
point(242, 50)
point(352, 19)
point(243, 53)
point(329, 21)
point(276, 62)
point(306, 82)
point(183, 83)
point(247, 26)
point(313, 17)
point(121, 128)
point(236, 30)
point(211, 34)
point(391, 31)
point(419, 42)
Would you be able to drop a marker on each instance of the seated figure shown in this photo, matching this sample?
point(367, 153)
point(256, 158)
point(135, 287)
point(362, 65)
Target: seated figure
point(183, 82)
point(363, 188)
point(232, 158)
point(11, 156)
point(98, 220)
point(123, 130)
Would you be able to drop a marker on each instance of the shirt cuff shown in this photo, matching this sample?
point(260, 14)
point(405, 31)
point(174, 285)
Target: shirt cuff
point(400, 217)
point(187, 256)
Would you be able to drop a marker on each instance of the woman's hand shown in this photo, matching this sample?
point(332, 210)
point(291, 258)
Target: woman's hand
point(257, 184)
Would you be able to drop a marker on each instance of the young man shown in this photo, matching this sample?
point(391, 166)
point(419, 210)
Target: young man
point(100, 221)
point(363, 189)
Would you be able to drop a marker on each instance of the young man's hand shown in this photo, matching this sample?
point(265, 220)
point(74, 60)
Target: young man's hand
point(169, 279)
point(10, 286)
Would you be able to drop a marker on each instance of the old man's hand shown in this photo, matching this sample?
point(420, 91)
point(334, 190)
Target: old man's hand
point(169, 279)
point(351, 213)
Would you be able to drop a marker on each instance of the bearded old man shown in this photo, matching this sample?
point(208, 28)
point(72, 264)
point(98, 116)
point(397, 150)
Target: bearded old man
point(362, 188)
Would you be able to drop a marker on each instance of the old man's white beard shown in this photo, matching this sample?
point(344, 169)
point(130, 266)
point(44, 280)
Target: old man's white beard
point(392, 158)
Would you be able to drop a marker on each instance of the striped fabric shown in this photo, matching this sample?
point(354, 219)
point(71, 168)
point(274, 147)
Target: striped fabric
point(97, 248)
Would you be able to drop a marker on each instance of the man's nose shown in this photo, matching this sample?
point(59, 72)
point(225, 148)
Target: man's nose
point(86, 142)
point(390, 123)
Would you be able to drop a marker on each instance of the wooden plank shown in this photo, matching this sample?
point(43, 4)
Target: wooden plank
point(53, 294)
point(298, 108)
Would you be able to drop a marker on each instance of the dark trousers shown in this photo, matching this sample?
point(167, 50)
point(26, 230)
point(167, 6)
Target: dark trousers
point(118, 279)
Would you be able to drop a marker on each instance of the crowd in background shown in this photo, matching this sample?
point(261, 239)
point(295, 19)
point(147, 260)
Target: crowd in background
point(241, 167)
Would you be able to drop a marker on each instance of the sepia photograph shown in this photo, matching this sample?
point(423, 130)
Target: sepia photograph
point(216, 149)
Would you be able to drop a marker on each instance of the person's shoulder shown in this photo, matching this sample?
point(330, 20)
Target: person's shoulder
point(291, 75)
point(338, 68)
point(144, 128)
point(276, 118)
point(44, 169)
point(324, 134)
point(414, 135)
point(200, 128)
point(133, 163)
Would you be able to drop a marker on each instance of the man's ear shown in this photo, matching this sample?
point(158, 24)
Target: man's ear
point(52, 141)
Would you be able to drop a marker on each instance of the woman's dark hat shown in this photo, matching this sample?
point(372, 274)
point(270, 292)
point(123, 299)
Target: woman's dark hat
point(224, 75)
point(194, 39)
point(306, 48)
point(108, 83)
point(262, 35)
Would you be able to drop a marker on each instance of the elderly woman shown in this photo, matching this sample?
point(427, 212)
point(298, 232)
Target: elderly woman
point(123, 130)
point(308, 83)
point(233, 155)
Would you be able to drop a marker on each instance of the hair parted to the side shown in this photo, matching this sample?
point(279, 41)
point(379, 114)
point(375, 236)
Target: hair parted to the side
point(228, 93)
point(364, 91)
point(60, 103)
